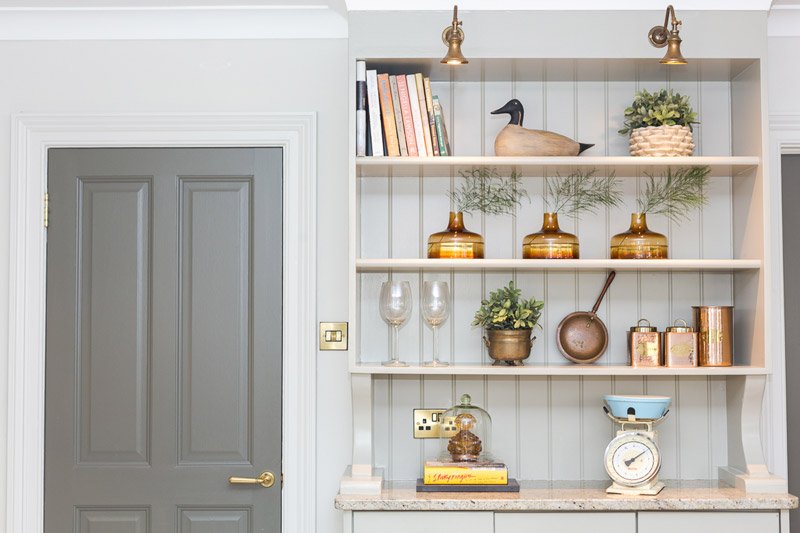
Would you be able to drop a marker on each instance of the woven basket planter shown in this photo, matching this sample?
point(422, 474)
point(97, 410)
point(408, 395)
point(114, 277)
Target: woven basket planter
point(662, 141)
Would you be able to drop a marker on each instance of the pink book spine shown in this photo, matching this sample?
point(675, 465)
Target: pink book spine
point(408, 119)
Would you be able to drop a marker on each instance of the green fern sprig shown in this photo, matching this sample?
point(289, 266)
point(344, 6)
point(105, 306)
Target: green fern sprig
point(581, 191)
point(675, 194)
point(485, 191)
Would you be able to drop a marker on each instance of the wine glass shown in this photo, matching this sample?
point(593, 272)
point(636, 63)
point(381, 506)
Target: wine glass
point(395, 307)
point(435, 307)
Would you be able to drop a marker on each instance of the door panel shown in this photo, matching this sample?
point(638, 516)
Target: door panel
point(705, 522)
point(164, 340)
point(113, 313)
point(565, 522)
point(112, 521)
point(215, 340)
point(215, 521)
point(423, 522)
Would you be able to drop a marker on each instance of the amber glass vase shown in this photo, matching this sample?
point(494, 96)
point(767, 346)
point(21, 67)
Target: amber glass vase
point(639, 242)
point(550, 242)
point(456, 242)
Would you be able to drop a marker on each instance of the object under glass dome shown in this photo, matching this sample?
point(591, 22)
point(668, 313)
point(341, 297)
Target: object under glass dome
point(467, 433)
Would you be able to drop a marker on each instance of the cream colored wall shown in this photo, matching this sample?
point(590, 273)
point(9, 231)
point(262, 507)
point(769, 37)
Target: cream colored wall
point(205, 76)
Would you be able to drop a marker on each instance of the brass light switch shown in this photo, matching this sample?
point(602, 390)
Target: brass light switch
point(333, 335)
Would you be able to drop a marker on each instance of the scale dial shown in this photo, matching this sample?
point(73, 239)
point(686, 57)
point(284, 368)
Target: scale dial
point(632, 459)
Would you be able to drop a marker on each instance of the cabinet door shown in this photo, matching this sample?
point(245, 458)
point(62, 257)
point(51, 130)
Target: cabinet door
point(709, 522)
point(422, 522)
point(565, 522)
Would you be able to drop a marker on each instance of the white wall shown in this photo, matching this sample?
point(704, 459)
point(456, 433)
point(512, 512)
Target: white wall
point(784, 87)
point(205, 76)
point(237, 75)
point(784, 76)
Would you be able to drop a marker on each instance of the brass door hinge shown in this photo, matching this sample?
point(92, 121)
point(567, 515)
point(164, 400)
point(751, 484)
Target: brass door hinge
point(46, 209)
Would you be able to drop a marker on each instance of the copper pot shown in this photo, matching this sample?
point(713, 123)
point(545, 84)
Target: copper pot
point(509, 346)
point(582, 336)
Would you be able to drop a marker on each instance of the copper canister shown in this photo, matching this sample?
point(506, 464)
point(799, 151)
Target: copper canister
point(680, 345)
point(714, 324)
point(644, 345)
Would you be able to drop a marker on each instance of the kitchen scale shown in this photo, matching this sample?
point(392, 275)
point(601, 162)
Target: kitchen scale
point(632, 458)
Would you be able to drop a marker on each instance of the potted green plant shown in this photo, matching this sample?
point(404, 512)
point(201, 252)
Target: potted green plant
point(660, 124)
point(481, 190)
point(675, 194)
point(570, 195)
point(508, 319)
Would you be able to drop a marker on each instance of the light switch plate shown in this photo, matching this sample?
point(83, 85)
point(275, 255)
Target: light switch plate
point(333, 335)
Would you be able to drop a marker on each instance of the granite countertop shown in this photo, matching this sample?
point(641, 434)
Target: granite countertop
point(569, 496)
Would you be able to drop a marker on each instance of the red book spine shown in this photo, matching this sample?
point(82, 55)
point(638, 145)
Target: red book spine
point(408, 119)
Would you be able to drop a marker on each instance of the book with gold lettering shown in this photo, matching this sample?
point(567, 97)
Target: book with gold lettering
point(472, 473)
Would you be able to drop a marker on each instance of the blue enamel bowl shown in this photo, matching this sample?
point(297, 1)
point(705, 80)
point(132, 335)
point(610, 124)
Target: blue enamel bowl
point(642, 407)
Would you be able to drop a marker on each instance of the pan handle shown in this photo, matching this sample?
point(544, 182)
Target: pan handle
point(611, 276)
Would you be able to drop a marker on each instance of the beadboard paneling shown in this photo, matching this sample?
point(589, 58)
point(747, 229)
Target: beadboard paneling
point(549, 427)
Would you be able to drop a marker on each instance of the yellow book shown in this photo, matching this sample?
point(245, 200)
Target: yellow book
point(444, 474)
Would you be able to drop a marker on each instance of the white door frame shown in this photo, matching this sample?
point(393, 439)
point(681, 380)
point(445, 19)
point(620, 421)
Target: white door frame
point(784, 138)
point(32, 136)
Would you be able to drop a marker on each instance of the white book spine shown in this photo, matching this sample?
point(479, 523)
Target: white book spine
point(373, 106)
point(416, 114)
point(361, 108)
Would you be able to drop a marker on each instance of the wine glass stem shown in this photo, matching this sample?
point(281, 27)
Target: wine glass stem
point(435, 344)
point(395, 355)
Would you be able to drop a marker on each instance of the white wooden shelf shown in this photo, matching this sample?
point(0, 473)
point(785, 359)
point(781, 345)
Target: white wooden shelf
point(394, 201)
point(720, 165)
point(662, 265)
point(566, 369)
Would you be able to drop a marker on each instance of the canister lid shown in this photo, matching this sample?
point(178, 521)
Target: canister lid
point(639, 328)
point(675, 328)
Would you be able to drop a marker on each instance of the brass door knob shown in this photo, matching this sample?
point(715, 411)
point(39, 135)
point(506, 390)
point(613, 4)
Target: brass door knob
point(266, 480)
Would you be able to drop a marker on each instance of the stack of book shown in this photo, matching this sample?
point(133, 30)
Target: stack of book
point(478, 476)
point(397, 115)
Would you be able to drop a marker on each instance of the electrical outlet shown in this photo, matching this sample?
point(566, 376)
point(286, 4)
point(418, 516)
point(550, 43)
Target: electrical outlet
point(447, 428)
point(427, 423)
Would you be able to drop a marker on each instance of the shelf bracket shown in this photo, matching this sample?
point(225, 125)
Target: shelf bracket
point(747, 470)
point(362, 477)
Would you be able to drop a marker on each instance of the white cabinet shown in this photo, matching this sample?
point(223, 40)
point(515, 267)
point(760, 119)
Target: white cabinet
point(565, 522)
point(719, 256)
point(423, 522)
point(709, 522)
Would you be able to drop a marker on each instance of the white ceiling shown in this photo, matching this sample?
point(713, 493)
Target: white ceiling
point(395, 5)
point(557, 5)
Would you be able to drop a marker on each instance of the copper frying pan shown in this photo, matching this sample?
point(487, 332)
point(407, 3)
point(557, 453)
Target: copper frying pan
point(582, 336)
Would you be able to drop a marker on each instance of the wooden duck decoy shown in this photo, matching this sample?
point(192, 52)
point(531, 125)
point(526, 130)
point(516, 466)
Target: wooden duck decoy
point(514, 140)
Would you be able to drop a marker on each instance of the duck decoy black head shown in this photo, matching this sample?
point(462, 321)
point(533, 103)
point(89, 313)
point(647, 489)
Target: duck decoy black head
point(514, 108)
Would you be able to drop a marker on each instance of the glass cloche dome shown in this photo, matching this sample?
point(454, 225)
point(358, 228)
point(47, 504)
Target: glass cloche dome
point(466, 433)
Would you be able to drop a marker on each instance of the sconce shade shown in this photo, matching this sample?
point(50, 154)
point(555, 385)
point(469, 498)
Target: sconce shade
point(673, 55)
point(453, 36)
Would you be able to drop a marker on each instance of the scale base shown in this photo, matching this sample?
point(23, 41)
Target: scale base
point(647, 490)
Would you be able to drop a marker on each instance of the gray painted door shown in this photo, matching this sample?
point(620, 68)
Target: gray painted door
point(164, 327)
point(790, 189)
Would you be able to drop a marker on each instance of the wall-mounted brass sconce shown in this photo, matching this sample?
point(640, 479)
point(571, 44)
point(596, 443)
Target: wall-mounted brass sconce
point(660, 37)
point(453, 36)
